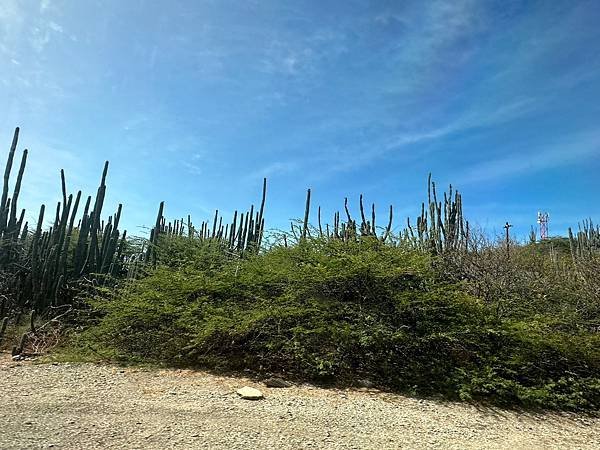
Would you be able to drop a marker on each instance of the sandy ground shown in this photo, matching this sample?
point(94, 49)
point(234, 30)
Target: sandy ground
point(85, 406)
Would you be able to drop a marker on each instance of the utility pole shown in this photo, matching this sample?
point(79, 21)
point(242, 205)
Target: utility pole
point(507, 228)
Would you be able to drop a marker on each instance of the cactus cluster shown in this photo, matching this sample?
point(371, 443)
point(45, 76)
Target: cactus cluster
point(440, 227)
point(586, 242)
point(244, 233)
point(342, 230)
point(351, 229)
point(42, 262)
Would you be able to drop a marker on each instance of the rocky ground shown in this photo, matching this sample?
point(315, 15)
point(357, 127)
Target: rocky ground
point(95, 406)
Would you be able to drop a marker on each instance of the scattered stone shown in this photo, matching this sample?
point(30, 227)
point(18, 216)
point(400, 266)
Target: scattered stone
point(364, 383)
point(275, 382)
point(249, 393)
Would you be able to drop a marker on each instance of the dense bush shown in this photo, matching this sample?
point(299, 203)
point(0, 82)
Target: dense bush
point(339, 312)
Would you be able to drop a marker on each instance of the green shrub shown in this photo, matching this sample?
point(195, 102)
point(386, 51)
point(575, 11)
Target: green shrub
point(332, 311)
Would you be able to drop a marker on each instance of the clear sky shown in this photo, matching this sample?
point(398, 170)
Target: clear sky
point(193, 102)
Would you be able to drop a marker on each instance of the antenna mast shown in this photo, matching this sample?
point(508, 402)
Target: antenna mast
point(542, 219)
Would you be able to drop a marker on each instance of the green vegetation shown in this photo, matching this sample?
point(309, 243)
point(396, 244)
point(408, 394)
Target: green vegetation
point(38, 266)
point(435, 310)
point(333, 311)
point(42, 269)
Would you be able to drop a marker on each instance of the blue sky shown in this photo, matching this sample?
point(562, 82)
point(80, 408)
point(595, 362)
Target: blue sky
point(193, 102)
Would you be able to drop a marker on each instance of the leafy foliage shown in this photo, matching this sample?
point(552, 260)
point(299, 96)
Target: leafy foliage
point(337, 311)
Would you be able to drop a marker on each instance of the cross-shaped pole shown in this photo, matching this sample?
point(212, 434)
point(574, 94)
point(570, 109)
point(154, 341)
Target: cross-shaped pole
point(507, 228)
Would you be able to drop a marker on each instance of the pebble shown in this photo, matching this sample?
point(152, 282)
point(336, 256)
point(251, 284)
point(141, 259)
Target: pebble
point(250, 393)
point(276, 382)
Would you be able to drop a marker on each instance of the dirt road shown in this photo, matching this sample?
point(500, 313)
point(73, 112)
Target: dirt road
point(93, 406)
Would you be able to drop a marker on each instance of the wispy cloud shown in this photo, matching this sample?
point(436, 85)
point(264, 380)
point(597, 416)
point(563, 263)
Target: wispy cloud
point(44, 5)
point(39, 39)
point(563, 152)
point(437, 39)
point(276, 169)
point(55, 27)
point(479, 116)
point(293, 54)
point(15, 21)
point(11, 21)
point(281, 57)
point(41, 35)
point(192, 168)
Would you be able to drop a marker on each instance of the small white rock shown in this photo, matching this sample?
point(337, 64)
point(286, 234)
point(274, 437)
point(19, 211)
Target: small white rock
point(249, 393)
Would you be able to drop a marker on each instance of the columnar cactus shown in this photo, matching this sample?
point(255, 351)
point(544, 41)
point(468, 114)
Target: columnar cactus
point(44, 260)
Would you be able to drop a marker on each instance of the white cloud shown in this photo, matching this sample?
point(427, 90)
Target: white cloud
point(192, 168)
point(40, 36)
point(274, 169)
point(44, 5)
point(481, 115)
point(12, 21)
point(438, 38)
point(39, 39)
point(301, 55)
point(577, 148)
point(10, 12)
point(55, 27)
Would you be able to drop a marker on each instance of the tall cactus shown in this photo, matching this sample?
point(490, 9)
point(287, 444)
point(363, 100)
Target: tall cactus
point(4, 205)
point(11, 219)
point(43, 261)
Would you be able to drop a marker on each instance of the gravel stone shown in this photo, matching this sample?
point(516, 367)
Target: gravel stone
point(250, 393)
point(276, 382)
point(89, 406)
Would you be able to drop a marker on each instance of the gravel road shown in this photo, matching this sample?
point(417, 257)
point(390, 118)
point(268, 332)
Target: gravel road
point(87, 406)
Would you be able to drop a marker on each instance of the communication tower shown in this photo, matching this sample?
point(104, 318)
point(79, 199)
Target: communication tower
point(542, 219)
